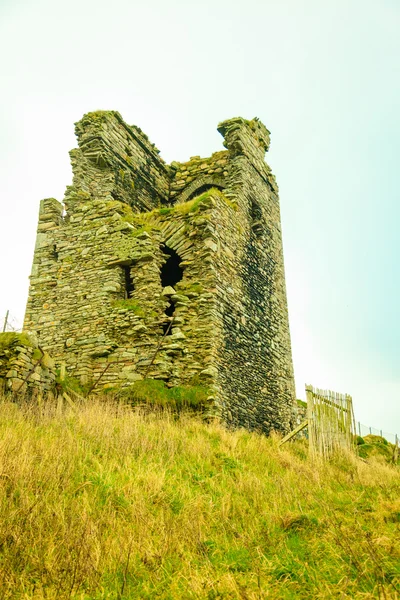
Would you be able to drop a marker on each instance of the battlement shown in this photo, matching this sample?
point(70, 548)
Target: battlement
point(171, 272)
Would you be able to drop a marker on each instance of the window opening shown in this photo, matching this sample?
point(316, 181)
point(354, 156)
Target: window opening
point(204, 188)
point(128, 280)
point(256, 218)
point(171, 272)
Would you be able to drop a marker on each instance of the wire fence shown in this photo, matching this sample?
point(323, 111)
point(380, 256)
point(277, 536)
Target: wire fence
point(364, 430)
point(10, 323)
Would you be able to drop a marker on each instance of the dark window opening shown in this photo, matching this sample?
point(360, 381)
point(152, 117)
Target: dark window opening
point(128, 280)
point(204, 188)
point(171, 273)
point(256, 216)
point(255, 211)
point(54, 252)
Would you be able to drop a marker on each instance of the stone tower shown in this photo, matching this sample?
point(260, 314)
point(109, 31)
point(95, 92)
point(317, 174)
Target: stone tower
point(137, 245)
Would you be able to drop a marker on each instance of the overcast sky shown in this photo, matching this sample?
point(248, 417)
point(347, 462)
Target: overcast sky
point(324, 78)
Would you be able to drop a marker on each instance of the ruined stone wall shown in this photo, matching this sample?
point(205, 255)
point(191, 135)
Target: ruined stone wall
point(255, 361)
point(198, 173)
point(78, 305)
point(24, 368)
point(115, 161)
point(99, 300)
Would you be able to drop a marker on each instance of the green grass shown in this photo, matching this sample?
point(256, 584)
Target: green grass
point(130, 304)
point(301, 403)
point(154, 393)
point(378, 447)
point(11, 338)
point(100, 501)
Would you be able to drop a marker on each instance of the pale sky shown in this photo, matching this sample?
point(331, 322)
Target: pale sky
point(324, 77)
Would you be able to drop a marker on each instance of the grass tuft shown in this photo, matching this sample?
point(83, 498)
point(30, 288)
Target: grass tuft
point(131, 305)
point(155, 394)
point(11, 338)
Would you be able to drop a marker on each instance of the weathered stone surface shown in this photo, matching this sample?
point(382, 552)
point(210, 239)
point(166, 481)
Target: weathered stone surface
point(24, 367)
point(137, 243)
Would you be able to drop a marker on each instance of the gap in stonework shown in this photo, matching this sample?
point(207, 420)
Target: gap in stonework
point(128, 280)
point(171, 273)
point(204, 188)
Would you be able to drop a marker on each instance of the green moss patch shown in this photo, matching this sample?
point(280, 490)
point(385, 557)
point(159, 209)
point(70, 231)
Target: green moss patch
point(155, 393)
point(10, 338)
point(71, 384)
point(194, 205)
point(130, 304)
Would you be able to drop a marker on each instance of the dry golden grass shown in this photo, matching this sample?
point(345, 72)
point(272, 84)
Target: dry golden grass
point(102, 502)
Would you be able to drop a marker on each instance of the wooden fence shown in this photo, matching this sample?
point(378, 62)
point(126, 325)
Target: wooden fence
point(331, 424)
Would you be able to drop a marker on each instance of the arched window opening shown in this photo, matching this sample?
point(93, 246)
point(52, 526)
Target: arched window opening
point(204, 188)
point(171, 272)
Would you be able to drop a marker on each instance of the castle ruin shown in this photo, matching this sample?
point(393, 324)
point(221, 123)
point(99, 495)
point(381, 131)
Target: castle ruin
point(186, 258)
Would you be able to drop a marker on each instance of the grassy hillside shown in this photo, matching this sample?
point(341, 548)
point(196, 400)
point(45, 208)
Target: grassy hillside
point(100, 502)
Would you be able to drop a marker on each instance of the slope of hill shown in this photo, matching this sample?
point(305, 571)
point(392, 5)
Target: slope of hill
point(98, 501)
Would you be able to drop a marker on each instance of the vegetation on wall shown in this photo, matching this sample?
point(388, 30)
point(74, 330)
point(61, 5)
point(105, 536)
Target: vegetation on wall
point(11, 338)
point(130, 304)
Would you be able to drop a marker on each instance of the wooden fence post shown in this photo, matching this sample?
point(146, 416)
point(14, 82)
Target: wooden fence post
point(5, 321)
point(310, 418)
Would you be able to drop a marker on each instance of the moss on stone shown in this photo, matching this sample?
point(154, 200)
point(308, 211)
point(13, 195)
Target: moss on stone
point(68, 384)
point(37, 354)
point(195, 288)
point(131, 305)
point(143, 228)
point(165, 210)
point(11, 338)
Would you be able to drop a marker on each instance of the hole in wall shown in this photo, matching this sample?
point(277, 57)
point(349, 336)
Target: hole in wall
point(54, 252)
point(256, 216)
point(171, 273)
point(129, 286)
point(204, 188)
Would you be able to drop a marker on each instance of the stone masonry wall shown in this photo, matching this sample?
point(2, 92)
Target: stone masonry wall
point(24, 368)
point(115, 161)
point(256, 351)
point(80, 311)
point(198, 172)
point(98, 300)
